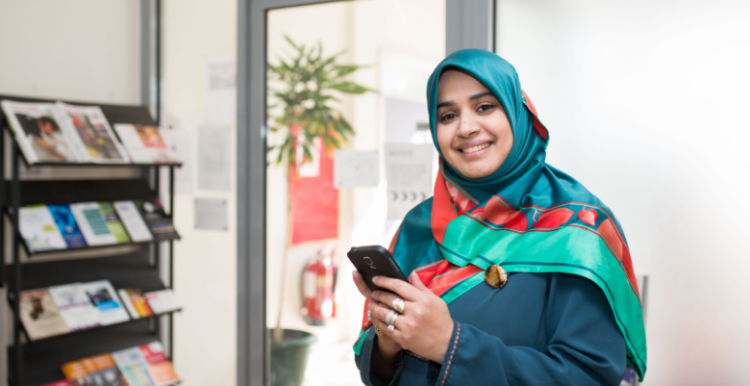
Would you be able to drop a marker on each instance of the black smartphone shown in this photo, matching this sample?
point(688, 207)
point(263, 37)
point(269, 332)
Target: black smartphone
point(374, 260)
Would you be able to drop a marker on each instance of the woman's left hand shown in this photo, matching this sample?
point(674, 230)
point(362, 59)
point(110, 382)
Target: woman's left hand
point(425, 327)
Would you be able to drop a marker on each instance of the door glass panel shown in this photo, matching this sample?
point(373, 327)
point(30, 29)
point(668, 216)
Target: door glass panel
point(330, 126)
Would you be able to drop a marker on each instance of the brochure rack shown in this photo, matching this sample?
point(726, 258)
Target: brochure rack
point(131, 265)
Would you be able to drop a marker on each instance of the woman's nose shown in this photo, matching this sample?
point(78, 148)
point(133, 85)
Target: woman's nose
point(467, 127)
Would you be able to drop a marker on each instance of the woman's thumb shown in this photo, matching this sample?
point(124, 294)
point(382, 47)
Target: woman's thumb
point(416, 281)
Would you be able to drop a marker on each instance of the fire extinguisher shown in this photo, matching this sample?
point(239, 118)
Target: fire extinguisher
point(318, 282)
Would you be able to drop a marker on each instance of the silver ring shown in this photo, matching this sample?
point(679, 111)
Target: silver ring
point(398, 305)
point(390, 319)
point(391, 328)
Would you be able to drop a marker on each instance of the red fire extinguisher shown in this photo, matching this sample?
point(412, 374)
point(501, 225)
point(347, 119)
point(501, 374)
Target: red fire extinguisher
point(318, 282)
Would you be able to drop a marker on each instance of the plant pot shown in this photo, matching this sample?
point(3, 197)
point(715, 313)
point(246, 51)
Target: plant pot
point(289, 357)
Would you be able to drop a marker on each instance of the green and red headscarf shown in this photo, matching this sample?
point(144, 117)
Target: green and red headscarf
point(527, 216)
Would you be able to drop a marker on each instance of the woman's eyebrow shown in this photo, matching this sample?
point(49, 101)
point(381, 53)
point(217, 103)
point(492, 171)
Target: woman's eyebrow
point(445, 104)
point(480, 95)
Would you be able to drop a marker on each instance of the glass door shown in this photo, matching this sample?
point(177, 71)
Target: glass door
point(345, 86)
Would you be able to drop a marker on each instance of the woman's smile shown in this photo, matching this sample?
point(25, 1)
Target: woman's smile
point(475, 148)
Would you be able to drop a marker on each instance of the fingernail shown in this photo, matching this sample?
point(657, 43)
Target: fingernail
point(376, 279)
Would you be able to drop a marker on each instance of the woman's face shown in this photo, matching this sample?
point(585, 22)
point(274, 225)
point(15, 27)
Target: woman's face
point(473, 132)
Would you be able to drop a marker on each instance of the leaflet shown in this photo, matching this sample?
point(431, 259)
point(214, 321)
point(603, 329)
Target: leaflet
point(105, 299)
point(162, 301)
point(39, 133)
point(159, 367)
point(67, 225)
point(95, 136)
point(75, 307)
point(40, 316)
point(133, 221)
point(133, 366)
point(92, 223)
point(135, 303)
point(158, 221)
point(113, 222)
point(98, 370)
point(145, 144)
point(39, 229)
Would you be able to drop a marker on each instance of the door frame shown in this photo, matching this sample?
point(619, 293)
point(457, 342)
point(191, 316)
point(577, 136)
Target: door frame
point(469, 24)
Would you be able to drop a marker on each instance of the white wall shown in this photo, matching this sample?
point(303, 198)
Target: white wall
point(205, 261)
point(77, 49)
point(645, 102)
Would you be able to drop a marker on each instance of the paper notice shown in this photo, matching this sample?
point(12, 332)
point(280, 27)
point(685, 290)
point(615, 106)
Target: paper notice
point(221, 89)
point(213, 158)
point(355, 168)
point(408, 170)
point(211, 214)
point(182, 143)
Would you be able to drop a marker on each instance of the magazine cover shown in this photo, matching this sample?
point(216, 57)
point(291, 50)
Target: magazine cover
point(145, 144)
point(39, 230)
point(159, 367)
point(67, 225)
point(99, 370)
point(113, 222)
point(38, 132)
point(133, 366)
point(135, 302)
point(162, 301)
point(92, 223)
point(133, 221)
point(40, 316)
point(104, 298)
point(99, 142)
point(75, 307)
point(157, 220)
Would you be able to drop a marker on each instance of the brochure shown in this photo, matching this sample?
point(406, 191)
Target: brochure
point(159, 367)
point(134, 223)
point(39, 230)
point(67, 225)
point(99, 370)
point(162, 301)
point(133, 366)
point(113, 222)
point(135, 303)
point(38, 132)
point(145, 144)
point(75, 307)
point(99, 142)
point(103, 297)
point(157, 220)
point(93, 225)
point(40, 316)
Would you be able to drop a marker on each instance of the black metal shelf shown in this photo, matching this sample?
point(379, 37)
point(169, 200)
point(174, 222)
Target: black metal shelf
point(95, 247)
point(41, 361)
point(107, 165)
point(70, 191)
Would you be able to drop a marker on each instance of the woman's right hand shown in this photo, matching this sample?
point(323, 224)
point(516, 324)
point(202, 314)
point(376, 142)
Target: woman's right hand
point(388, 347)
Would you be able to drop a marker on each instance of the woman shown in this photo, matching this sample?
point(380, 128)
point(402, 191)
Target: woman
point(519, 275)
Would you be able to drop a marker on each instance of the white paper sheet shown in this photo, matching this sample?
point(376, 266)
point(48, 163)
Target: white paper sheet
point(213, 158)
point(211, 214)
point(408, 170)
point(132, 220)
point(182, 140)
point(221, 89)
point(356, 168)
point(162, 301)
point(75, 307)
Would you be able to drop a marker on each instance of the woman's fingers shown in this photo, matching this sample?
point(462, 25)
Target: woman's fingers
point(378, 313)
point(416, 281)
point(400, 287)
point(361, 285)
point(384, 298)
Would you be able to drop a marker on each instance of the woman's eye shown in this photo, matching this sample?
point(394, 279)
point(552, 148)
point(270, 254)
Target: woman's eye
point(447, 117)
point(485, 107)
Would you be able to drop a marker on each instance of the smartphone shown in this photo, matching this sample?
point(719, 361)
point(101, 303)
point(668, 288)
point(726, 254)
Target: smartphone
point(374, 260)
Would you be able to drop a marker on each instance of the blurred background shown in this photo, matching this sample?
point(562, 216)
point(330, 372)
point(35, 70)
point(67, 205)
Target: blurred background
point(644, 101)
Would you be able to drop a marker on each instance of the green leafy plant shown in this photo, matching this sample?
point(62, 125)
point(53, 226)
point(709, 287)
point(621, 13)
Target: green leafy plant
point(305, 90)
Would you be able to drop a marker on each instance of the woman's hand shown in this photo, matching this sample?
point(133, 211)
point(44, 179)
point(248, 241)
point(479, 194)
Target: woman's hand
point(424, 328)
point(387, 346)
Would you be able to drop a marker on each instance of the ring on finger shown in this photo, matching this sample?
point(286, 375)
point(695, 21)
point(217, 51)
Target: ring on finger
point(378, 331)
point(398, 305)
point(391, 328)
point(390, 319)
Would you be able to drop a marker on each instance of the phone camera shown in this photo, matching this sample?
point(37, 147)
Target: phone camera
point(368, 261)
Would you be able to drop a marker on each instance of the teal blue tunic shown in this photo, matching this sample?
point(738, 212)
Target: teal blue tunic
point(539, 329)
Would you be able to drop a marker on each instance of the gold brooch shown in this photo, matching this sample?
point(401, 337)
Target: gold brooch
point(496, 276)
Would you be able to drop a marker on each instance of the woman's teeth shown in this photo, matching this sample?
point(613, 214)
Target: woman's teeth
point(475, 148)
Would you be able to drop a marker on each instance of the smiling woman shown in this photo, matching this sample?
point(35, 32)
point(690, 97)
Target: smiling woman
point(519, 275)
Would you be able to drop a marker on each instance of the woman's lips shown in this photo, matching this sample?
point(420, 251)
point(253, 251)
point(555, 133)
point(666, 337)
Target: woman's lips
point(476, 150)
